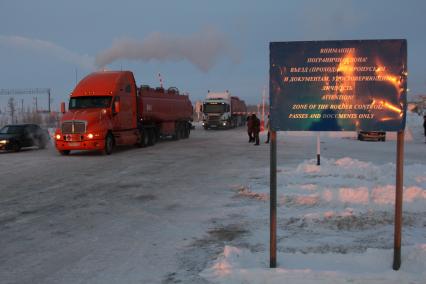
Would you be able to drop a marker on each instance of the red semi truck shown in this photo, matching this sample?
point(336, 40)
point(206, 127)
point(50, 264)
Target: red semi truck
point(107, 109)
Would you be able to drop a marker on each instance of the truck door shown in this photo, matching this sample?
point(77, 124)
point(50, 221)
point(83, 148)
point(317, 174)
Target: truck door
point(116, 116)
point(127, 107)
point(125, 118)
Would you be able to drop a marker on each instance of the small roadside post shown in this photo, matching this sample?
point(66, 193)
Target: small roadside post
point(318, 150)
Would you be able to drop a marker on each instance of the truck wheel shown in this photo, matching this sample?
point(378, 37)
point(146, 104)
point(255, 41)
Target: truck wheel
point(182, 131)
point(187, 130)
point(145, 138)
point(152, 137)
point(178, 132)
point(109, 144)
point(64, 152)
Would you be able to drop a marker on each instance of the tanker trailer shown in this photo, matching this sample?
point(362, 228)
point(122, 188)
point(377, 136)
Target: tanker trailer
point(163, 113)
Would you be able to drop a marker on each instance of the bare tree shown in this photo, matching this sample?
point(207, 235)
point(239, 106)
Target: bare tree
point(12, 108)
point(36, 117)
point(51, 119)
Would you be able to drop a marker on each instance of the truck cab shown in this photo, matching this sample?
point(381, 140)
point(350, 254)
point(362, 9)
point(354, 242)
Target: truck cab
point(101, 113)
point(217, 110)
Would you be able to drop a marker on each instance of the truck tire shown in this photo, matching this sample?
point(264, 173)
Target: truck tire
point(153, 136)
point(142, 142)
point(145, 138)
point(182, 131)
point(109, 144)
point(177, 134)
point(187, 130)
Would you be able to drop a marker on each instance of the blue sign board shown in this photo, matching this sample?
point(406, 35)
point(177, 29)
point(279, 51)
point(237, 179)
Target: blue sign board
point(338, 85)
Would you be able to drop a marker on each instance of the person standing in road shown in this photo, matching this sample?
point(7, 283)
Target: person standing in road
point(250, 128)
point(267, 126)
point(256, 129)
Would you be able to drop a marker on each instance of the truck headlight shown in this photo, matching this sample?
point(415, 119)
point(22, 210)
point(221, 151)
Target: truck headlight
point(58, 136)
point(90, 136)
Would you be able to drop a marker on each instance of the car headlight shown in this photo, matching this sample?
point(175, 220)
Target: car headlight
point(3, 142)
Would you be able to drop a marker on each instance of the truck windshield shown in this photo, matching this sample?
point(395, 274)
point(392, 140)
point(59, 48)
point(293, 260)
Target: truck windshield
point(214, 108)
point(90, 102)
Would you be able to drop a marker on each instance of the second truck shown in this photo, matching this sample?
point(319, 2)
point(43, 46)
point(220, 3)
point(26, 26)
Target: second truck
point(221, 110)
point(107, 109)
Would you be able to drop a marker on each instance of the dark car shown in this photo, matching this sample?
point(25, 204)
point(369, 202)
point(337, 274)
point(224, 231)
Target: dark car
point(14, 137)
point(372, 135)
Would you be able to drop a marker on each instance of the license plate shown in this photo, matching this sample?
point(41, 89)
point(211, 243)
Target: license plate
point(74, 144)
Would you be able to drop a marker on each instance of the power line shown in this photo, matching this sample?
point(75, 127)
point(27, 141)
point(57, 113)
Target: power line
point(27, 91)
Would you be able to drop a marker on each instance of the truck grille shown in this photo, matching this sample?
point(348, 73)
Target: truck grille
point(72, 127)
point(213, 118)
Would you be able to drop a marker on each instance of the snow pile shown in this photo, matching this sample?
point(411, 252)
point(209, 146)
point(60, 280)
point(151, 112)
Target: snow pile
point(335, 225)
point(343, 182)
point(241, 266)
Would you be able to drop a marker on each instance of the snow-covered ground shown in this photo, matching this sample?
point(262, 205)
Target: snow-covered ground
point(197, 211)
point(335, 221)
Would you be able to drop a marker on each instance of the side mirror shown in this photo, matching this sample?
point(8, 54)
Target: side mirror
point(116, 106)
point(62, 107)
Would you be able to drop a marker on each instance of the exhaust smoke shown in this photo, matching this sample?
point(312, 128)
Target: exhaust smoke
point(202, 49)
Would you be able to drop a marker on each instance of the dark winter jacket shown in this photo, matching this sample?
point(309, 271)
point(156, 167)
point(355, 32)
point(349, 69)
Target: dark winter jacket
point(256, 124)
point(249, 124)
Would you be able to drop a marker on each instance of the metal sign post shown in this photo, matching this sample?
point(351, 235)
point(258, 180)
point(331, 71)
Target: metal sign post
point(273, 201)
point(398, 200)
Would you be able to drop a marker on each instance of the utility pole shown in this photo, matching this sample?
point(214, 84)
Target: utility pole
point(36, 105)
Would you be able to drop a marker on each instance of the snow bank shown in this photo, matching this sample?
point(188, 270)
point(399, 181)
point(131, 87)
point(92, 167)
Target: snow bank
point(339, 183)
point(335, 225)
point(242, 266)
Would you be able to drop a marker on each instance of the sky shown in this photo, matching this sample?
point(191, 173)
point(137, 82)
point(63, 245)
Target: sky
point(195, 45)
